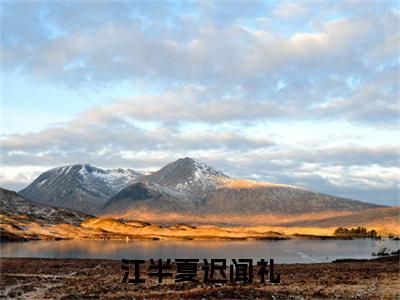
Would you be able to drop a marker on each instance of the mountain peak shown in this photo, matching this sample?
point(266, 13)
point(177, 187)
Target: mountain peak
point(189, 167)
point(187, 175)
point(187, 159)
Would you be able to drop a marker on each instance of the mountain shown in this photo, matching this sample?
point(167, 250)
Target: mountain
point(185, 179)
point(187, 190)
point(183, 185)
point(79, 187)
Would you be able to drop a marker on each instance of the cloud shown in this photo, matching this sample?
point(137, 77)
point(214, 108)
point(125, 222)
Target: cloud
point(212, 73)
point(97, 133)
point(373, 102)
point(244, 63)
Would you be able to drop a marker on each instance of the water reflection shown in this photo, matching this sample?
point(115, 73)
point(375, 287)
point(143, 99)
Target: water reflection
point(286, 251)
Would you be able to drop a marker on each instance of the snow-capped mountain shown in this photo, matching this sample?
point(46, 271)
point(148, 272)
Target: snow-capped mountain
point(186, 172)
point(80, 187)
point(186, 177)
point(183, 187)
point(188, 187)
point(183, 184)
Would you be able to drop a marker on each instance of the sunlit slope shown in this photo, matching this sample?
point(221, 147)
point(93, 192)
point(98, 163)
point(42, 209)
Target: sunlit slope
point(21, 218)
point(385, 220)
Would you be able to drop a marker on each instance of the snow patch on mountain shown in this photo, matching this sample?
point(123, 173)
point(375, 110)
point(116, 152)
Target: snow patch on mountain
point(203, 178)
point(116, 179)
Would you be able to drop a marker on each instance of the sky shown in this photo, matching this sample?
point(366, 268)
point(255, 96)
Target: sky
point(302, 93)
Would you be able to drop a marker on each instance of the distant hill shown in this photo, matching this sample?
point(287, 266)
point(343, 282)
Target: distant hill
point(23, 218)
point(15, 206)
point(80, 187)
point(382, 219)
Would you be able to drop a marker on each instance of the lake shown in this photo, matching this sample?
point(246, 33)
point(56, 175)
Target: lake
point(285, 251)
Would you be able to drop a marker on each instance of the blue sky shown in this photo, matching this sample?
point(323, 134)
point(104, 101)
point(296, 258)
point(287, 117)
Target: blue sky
point(304, 93)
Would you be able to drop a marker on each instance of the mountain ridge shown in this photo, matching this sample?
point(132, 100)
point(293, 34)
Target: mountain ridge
point(81, 186)
point(184, 186)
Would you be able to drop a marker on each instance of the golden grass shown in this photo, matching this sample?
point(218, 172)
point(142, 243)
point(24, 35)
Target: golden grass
point(249, 184)
point(239, 220)
point(170, 226)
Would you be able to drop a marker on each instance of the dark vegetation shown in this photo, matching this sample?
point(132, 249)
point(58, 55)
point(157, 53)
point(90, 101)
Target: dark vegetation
point(356, 232)
point(393, 237)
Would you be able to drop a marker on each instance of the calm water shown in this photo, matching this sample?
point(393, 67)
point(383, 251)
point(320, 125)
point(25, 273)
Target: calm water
point(287, 251)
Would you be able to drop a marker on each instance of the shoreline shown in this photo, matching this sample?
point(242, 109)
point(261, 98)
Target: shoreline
point(99, 278)
point(155, 239)
point(390, 257)
point(10, 238)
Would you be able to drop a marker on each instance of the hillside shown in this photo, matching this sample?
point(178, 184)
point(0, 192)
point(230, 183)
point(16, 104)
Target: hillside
point(80, 187)
point(23, 218)
point(384, 220)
